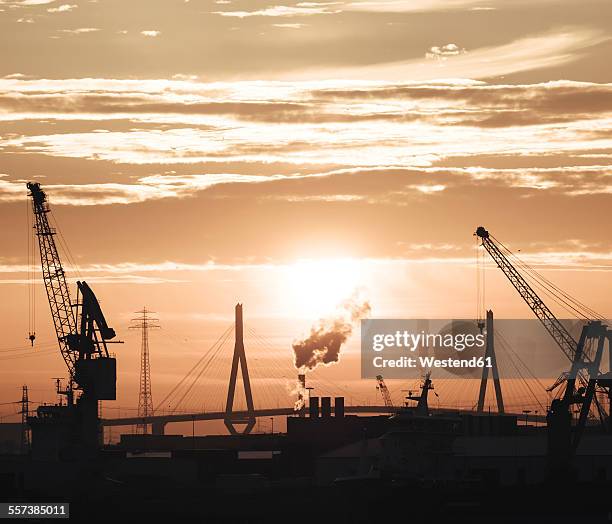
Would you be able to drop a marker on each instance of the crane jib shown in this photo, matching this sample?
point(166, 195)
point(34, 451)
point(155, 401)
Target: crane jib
point(554, 327)
point(54, 276)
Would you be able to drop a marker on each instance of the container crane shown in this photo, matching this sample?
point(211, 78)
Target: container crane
point(584, 369)
point(82, 334)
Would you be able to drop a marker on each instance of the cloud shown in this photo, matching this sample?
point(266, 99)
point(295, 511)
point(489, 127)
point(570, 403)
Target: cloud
point(541, 51)
point(346, 123)
point(26, 3)
point(130, 268)
point(373, 142)
point(569, 255)
point(16, 76)
point(415, 6)
point(80, 30)
point(64, 8)
point(471, 103)
point(444, 52)
point(303, 9)
point(289, 26)
point(182, 76)
point(429, 188)
point(102, 279)
point(153, 187)
point(390, 185)
point(382, 6)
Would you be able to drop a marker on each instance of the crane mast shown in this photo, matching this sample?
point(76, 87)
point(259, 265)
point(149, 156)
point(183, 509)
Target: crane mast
point(54, 276)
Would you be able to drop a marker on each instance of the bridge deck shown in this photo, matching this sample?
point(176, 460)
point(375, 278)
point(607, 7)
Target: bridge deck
point(273, 412)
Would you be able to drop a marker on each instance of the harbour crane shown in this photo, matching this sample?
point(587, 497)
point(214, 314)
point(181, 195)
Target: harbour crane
point(585, 365)
point(384, 391)
point(82, 334)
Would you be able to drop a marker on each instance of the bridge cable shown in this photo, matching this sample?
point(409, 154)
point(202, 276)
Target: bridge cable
point(190, 390)
point(192, 370)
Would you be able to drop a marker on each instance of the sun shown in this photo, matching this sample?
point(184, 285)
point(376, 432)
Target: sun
point(316, 287)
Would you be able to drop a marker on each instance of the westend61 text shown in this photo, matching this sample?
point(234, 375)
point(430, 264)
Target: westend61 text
point(432, 362)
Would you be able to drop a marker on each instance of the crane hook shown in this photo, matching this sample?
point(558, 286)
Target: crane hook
point(32, 338)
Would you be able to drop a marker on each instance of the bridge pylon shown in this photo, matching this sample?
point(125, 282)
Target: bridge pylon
point(245, 419)
point(490, 353)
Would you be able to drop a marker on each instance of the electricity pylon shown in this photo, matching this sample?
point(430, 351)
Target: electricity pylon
point(145, 397)
point(25, 409)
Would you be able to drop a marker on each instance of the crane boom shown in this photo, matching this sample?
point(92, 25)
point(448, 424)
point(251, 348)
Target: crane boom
point(556, 330)
point(54, 277)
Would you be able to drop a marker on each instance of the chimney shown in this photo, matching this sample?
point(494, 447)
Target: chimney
point(339, 407)
point(314, 407)
point(326, 407)
point(302, 386)
point(301, 402)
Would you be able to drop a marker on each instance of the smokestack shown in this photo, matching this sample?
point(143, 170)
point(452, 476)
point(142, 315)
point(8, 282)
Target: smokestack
point(313, 407)
point(301, 388)
point(339, 407)
point(301, 392)
point(326, 407)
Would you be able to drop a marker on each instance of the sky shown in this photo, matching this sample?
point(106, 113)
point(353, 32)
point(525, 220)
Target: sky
point(201, 153)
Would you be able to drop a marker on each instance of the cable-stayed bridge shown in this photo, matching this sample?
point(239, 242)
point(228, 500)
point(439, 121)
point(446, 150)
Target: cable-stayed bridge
point(253, 391)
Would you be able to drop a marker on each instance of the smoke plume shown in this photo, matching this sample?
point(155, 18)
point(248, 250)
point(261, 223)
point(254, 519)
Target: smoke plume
point(326, 338)
point(301, 393)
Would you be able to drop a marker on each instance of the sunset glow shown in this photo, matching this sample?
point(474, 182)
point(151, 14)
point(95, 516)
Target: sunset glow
point(317, 287)
point(287, 156)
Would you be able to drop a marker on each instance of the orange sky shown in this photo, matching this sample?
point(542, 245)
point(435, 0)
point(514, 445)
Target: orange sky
point(200, 153)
